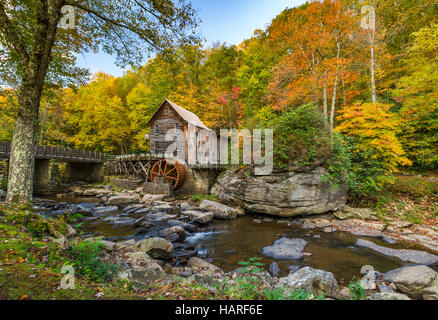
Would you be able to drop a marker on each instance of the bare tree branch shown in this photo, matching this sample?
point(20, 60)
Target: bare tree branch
point(113, 22)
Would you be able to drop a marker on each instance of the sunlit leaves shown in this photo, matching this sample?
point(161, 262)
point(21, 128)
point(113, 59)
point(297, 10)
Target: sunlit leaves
point(375, 129)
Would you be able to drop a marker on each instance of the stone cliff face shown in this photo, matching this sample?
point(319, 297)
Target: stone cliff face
point(284, 194)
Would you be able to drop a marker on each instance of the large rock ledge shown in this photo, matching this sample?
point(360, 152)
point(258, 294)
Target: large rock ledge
point(284, 194)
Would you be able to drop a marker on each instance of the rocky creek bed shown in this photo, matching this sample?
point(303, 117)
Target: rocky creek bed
point(146, 234)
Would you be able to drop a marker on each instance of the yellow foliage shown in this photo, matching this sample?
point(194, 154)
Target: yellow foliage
point(375, 128)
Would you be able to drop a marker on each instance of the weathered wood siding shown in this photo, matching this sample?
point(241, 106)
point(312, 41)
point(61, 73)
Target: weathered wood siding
point(164, 122)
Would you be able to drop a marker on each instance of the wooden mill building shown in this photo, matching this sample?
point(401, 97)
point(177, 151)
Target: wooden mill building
point(192, 175)
point(171, 116)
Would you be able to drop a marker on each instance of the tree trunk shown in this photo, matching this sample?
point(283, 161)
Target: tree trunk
point(332, 109)
point(22, 160)
point(335, 87)
point(324, 98)
point(373, 80)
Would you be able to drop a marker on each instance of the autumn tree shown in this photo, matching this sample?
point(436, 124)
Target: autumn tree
point(8, 109)
point(34, 49)
point(316, 37)
point(375, 130)
point(417, 92)
point(258, 59)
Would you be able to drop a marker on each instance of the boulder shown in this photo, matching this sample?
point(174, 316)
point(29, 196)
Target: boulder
point(122, 200)
point(159, 216)
point(132, 208)
point(311, 280)
point(143, 223)
point(361, 228)
point(146, 276)
point(153, 197)
point(119, 220)
point(108, 245)
point(185, 206)
point(94, 192)
point(203, 267)
point(220, 211)
point(76, 190)
point(142, 259)
point(199, 217)
point(157, 248)
point(388, 296)
point(167, 208)
point(142, 211)
point(70, 230)
point(284, 194)
point(414, 256)
point(274, 269)
point(356, 213)
point(417, 282)
point(186, 226)
point(286, 249)
point(102, 210)
point(176, 230)
point(83, 211)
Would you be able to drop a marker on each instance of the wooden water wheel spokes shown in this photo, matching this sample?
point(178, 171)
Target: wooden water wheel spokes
point(172, 170)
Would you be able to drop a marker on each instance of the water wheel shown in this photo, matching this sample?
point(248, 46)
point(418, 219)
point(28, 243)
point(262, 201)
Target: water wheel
point(172, 170)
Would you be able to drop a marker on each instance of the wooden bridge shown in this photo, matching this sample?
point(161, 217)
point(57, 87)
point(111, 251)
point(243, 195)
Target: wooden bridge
point(58, 153)
point(79, 166)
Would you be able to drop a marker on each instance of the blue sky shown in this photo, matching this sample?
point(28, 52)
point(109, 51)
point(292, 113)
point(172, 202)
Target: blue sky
point(230, 21)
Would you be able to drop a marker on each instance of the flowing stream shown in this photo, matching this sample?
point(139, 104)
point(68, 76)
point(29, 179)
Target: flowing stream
point(225, 243)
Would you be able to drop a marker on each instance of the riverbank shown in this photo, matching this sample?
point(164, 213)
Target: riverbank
point(33, 251)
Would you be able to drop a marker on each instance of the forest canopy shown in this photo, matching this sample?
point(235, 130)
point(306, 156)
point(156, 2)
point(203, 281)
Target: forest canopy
point(377, 87)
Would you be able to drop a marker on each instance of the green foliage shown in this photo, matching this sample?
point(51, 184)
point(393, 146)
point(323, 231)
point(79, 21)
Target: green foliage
point(339, 165)
point(417, 92)
point(302, 138)
point(365, 176)
point(85, 257)
point(413, 217)
point(3, 183)
point(249, 285)
point(38, 226)
point(200, 197)
point(435, 211)
point(8, 109)
point(356, 290)
point(252, 265)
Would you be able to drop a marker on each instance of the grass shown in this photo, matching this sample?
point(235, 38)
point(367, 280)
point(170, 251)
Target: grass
point(200, 197)
point(101, 184)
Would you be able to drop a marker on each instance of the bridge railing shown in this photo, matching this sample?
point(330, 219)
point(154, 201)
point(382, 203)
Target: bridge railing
point(64, 154)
